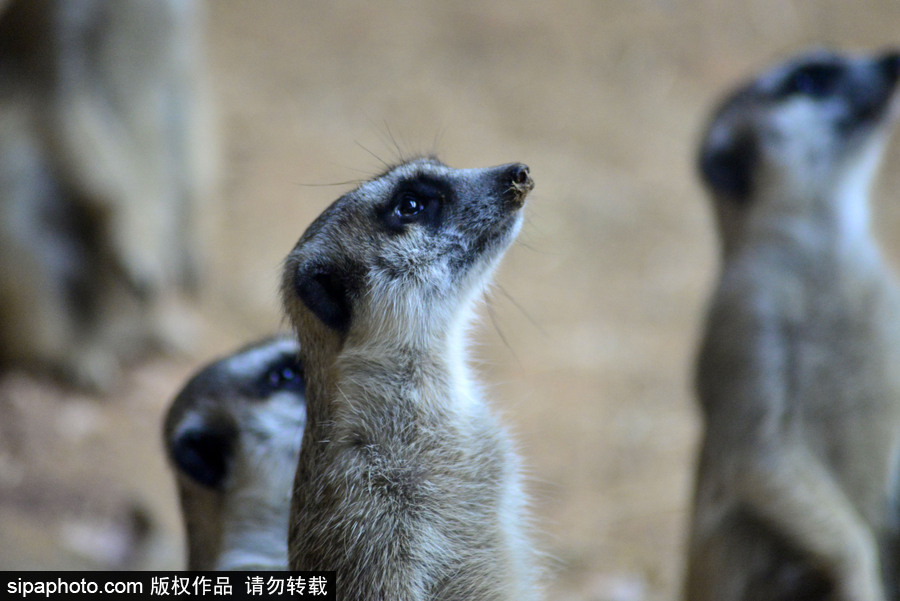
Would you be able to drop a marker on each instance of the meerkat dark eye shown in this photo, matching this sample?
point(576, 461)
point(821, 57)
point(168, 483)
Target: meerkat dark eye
point(285, 376)
point(408, 206)
point(418, 201)
point(814, 81)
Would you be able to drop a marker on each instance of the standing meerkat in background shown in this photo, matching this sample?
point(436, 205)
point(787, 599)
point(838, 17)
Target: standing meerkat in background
point(105, 160)
point(233, 436)
point(407, 485)
point(799, 371)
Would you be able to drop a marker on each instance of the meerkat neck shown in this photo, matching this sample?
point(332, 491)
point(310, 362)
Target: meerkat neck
point(429, 369)
point(400, 366)
point(254, 533)
point(837, 219)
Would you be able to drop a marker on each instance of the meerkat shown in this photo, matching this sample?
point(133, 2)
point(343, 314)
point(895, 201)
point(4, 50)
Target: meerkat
point(407, 484)
point(797, 375)
point(232, 436)
point(105, 161)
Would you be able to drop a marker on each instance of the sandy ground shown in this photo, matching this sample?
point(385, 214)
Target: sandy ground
point(587, 341)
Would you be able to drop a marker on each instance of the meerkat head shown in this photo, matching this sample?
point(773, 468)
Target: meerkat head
point(399, 257)
point(806, 129)
point(233, 437)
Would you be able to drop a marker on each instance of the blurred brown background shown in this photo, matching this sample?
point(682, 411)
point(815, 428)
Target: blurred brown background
point(587, 341)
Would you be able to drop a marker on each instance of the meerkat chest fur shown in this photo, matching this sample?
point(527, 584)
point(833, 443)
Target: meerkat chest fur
point(810, 270)
point(415, 432)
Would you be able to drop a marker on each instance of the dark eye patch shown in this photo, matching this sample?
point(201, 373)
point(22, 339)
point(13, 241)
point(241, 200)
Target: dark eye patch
point(418, 200)
point(817, 81)
point(283, 374)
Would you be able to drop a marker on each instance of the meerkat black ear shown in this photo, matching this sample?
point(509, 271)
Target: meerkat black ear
point(727, 165)
point(205, 454)
point(327, 292)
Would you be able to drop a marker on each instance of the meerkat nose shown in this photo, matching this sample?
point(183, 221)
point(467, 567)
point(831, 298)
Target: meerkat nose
point(890, 65)
point(519, 174)
point(516, 177)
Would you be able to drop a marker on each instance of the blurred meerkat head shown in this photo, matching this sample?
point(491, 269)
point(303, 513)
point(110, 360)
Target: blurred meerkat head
point(233, 436)
point(401, 257)
point(807, 131)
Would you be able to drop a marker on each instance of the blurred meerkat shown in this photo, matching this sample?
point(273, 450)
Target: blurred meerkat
point(798, 379)
point(105, 159)
point(233, 436)
point(407, 485)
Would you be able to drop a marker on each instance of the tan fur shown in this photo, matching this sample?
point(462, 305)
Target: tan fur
point(233, 436)
point(407, 485)
point(105, 159)
point(797, 483)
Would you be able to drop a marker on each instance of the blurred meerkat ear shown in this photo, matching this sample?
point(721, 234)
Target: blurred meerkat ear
point(205, 453)
point(727, 165)
point(328, 292)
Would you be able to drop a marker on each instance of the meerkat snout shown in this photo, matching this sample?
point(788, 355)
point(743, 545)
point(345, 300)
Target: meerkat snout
point(233, 436)
point(890, 65)
point(522, 184)
point(521, 174)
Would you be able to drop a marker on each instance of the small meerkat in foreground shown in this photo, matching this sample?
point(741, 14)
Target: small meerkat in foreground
point(407, 484)
point(799, 371)
point(233, 436)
